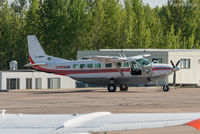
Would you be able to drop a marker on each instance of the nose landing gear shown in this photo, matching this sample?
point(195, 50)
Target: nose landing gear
point(165, 88)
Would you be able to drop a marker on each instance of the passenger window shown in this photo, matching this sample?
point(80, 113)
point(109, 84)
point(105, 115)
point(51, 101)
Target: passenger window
point(119, 64)
point(75, 66)
point(126, 64)
point(89, 65)
point(82, 66)
point(98, 65)
point(108, 65)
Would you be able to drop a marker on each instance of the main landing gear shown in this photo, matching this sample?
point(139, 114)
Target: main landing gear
point(123, 88)
point(112, 88)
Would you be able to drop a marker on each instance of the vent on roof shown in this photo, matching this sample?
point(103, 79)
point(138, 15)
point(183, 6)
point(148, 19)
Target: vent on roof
point(13, 65)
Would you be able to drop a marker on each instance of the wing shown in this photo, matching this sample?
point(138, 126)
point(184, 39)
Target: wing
point(115, 59)
point(109, 59)
point(91, 123)
point(115, 122)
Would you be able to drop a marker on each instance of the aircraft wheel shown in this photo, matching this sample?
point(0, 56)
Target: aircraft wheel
point(165, 88)
point(111, 88)
point(123, 88)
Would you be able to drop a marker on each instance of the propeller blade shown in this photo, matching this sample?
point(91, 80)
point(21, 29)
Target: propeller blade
point(174, 80)
point(178, 63)
point(172, 63)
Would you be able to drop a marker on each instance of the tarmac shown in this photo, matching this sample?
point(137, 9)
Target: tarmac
point(87, 100)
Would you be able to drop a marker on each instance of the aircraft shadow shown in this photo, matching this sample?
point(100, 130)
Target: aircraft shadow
point(61, 92)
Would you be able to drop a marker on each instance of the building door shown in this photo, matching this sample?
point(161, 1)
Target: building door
point(13, 83)
point(53, 83)
point(28, 83)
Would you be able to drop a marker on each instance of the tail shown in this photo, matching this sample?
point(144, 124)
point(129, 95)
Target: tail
point(37, 55)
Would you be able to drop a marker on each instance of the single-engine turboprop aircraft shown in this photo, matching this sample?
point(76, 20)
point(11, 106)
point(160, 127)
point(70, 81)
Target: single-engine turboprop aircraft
point(105, 70)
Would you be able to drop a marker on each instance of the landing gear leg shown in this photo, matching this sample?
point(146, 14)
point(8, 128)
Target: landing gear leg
point(123, 88)
point(111, 88)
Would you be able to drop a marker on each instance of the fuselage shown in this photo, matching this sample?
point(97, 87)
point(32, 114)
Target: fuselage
point(96, 72)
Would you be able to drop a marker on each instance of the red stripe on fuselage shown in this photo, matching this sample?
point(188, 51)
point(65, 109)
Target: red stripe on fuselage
point(161, 68)
point(67, 72)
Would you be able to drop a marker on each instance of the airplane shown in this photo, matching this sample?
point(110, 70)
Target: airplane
point(92, 123)
point(106, 70)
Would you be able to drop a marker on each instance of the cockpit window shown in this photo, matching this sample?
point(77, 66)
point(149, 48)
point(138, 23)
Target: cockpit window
point(143, 62)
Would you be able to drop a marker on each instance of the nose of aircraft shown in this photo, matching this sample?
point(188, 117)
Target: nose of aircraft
point(176, 69)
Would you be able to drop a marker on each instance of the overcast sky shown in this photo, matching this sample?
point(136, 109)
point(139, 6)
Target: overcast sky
point(152, 3)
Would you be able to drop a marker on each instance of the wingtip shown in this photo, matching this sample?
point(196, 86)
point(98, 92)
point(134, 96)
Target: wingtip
point(195, 124)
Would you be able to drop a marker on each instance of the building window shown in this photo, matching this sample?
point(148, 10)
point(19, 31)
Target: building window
point(82, 66)
point(89, 65)
point(97, 65)
point(28, 83)
point(13, 83)
point(75, 66)
point(119, 64)
point(126, 64)
point(53, 83)
point(157, 60)
point(109, 65)
point(185, 63)
point(38, 83)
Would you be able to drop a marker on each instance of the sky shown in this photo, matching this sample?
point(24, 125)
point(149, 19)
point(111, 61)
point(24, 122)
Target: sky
point(152, 3)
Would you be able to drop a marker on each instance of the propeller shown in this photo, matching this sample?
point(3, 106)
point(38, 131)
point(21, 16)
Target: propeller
point(175, 68)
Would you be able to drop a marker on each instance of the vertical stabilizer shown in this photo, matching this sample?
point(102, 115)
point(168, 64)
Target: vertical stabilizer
point(36, 53)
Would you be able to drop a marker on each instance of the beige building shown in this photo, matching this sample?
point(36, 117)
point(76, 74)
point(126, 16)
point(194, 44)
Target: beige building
point(190, 66)
point(190, 60)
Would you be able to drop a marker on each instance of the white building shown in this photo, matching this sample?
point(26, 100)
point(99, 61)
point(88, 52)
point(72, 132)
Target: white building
point(30, 79)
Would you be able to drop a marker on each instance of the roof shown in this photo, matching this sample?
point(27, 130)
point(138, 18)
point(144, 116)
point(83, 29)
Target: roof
point(163, 50)
point(21, 70)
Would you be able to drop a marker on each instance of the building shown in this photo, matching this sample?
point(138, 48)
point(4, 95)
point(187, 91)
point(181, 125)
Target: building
point(30, 79)
point(190, 60)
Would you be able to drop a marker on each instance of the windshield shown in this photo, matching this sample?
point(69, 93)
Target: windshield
point(143, 62)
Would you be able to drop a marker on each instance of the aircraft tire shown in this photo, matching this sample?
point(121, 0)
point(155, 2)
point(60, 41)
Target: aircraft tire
point(123, 88)
point(165, 88)
point(111, 88)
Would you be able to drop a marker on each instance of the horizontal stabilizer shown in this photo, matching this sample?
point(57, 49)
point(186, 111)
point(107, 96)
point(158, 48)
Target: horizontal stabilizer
point(35, 64)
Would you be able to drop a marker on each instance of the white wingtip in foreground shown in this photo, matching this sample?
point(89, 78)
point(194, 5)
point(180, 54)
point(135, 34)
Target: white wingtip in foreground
point(91, 123)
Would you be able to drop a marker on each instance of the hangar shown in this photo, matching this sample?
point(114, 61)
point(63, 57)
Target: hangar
point(190, 60)
point(31, 79)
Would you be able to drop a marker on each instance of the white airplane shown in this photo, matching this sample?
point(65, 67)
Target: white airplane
point(105, 70)
point(91, 123)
